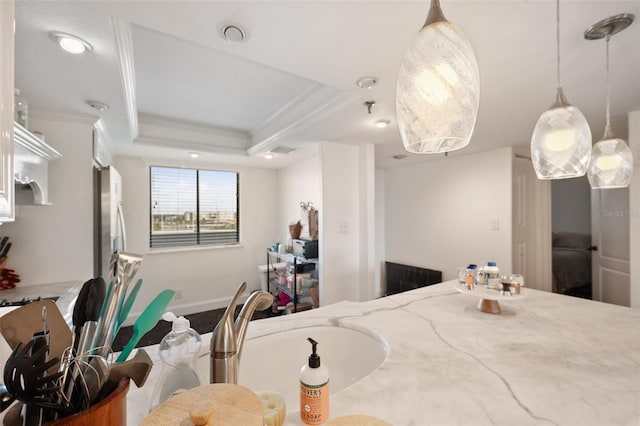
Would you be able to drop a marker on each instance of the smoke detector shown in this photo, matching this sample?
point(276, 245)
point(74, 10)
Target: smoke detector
point(97, 105)
point(366, 82)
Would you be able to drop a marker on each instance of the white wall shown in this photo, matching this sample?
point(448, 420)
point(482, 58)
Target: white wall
point(439, 213)
point(380, 277)
point(207, 277)
point(54, 243)
point(340, 182)
point(339, 224)
point(571, 205)
point(297, 183)
point(634, 209)
point(366, 208)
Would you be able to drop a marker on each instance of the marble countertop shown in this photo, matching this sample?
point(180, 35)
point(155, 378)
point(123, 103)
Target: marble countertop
point(547, 359)
point(66, 292)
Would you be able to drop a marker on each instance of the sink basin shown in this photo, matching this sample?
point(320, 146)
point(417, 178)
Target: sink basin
point(273, 362)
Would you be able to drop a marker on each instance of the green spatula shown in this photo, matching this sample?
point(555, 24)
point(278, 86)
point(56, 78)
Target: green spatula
point(146, 321)
point(126, 308)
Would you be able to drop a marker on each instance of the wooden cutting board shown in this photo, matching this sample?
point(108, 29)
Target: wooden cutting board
point(19, 325)
point(357, 420)
point(231, 404)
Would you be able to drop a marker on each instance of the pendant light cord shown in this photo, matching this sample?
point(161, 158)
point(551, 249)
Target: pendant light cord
point(558, 40)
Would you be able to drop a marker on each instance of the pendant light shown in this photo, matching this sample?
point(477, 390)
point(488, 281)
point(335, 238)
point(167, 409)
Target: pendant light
point(438, 88)
point(611, 159)
point(561, 141)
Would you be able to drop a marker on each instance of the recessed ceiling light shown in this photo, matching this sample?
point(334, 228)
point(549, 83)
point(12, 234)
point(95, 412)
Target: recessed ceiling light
point(381, 124)
point(194, 155)
point(70, 43)
point(367, 82)
point(233, 33)
point(100, 106)
point(268, 156)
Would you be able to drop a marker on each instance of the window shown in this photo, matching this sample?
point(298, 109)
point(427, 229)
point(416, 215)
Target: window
point(192, 207)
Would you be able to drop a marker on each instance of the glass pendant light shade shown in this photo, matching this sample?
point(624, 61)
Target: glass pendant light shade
point(611, 164)
point(438, 88)
point(561, 142)
point(611, 159)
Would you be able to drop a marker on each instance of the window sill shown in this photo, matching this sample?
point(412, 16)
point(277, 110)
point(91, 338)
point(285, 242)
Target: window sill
point(193, 248)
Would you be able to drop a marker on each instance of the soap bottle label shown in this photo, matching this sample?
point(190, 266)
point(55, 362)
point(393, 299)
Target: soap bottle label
point(314, 403)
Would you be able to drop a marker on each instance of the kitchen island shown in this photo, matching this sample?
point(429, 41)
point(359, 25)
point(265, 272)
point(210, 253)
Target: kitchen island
point(546, 359)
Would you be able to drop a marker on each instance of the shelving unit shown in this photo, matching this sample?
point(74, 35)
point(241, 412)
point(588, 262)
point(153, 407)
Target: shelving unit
point(32, 155)
point(298, 266)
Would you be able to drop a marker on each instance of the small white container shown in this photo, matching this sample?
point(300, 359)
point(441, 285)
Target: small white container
point(492, 275)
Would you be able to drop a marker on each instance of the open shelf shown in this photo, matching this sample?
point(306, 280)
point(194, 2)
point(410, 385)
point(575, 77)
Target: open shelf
point(295, 267)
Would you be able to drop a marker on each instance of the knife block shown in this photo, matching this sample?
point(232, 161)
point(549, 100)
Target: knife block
point(110, 411)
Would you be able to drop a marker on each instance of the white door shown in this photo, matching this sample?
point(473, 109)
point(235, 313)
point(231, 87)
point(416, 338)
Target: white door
point(610, 238)
point(531, 226)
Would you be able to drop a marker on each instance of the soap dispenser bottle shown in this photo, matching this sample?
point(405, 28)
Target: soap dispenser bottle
point(178, 351)
point(314, 389)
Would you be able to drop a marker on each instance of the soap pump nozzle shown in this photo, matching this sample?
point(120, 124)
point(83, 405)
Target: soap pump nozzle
point(314, 358)
point(179, 324)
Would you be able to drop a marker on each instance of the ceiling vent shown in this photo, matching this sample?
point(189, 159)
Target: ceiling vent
point(281, 150)
point(233, 33)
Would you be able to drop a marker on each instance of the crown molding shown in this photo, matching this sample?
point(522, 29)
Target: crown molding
point(313, 104)
point(171, 133)
point(28, 140)
point(286, 109)
point(147, 120)
point(102, 142)
point(189, 145)
point(124, 47)
point(75, 117)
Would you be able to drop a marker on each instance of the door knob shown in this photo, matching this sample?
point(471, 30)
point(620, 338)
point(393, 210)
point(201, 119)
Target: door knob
point(593, 248)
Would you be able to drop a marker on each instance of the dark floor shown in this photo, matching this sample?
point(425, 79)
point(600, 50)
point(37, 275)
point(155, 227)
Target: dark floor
point(202, 322)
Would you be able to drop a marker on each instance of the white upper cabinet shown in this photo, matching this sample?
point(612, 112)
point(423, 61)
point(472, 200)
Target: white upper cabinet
point(7, 29)
point(31, 167)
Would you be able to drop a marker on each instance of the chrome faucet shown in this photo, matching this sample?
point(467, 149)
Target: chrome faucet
point(228, 338)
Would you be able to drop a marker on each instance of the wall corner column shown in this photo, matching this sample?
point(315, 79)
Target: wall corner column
point(634, 210)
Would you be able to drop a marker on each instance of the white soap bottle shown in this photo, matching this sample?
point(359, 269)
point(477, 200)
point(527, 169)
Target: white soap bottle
point(314, 389)
point(178, 351)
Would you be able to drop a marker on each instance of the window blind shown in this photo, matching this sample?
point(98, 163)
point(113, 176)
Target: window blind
point(193, 207)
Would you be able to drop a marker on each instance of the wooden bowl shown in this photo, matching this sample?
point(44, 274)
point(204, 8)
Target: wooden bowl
point(110, 411)
point(230, 405)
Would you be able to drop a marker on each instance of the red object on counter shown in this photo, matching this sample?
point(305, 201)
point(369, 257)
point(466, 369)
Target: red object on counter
point(284, 298)
point(8, 279)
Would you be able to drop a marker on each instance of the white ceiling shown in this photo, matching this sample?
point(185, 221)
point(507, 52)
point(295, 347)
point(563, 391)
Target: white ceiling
point(293, 82)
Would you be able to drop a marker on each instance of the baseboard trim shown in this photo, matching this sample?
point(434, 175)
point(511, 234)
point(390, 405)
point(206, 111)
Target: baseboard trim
point(191, 308)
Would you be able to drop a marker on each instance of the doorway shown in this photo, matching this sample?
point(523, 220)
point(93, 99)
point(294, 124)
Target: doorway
point(572, 255)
